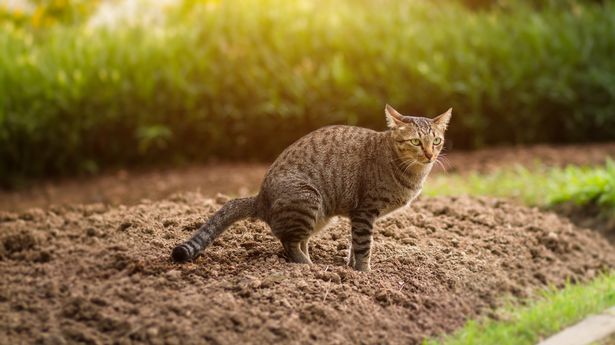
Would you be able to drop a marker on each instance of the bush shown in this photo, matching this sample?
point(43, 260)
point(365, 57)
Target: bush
point(242, 80)
point(585, 186)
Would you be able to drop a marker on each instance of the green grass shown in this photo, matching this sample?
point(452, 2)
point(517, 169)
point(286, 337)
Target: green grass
point(243, 79)
point(554, 310)
point(540, 186)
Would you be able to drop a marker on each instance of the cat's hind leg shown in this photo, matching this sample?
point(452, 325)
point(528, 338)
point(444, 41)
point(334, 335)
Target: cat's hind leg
point(294, 238)
point(294, 252)
point(293, 222)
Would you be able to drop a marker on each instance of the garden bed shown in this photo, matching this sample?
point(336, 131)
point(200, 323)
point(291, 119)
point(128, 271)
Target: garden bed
point(102, 274)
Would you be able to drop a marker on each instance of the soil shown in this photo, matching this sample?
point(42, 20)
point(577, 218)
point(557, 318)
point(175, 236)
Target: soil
point(590, 216)
point(101, 274)
point(240, 179)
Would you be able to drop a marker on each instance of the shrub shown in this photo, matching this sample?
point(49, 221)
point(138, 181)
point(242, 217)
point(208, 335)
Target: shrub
point(241, 80)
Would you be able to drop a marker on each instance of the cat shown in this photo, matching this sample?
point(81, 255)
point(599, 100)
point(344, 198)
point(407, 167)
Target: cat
point(335, 170)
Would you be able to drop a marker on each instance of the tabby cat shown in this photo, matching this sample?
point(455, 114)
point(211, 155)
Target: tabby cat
point(336, 170)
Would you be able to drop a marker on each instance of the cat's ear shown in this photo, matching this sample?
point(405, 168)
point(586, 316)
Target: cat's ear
point(394, 118)
point(443, 119)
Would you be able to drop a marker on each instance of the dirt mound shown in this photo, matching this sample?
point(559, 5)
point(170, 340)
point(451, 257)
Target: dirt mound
point(97, 274)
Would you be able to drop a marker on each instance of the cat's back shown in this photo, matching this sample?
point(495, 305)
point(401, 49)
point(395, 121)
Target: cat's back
point(329, 162)
point(331, 146)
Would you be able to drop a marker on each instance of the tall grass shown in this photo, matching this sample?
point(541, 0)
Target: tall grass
point(242, 79)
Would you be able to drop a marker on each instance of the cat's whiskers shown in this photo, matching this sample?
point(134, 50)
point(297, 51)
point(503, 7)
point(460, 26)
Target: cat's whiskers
point(446, 161)
point(405, 164)
point(444, 158)
point(441, 165)
point(409, 165)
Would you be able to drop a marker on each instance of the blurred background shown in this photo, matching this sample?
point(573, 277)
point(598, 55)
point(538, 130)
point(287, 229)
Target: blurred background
point(91, 86)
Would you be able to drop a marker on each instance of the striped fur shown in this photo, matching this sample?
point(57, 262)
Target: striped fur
point(231, 212)
point(336, 170)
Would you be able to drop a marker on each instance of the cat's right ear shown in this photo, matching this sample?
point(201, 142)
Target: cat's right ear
point(394, 118)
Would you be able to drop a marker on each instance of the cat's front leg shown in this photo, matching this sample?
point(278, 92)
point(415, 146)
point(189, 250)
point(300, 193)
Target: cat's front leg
point(362, 235)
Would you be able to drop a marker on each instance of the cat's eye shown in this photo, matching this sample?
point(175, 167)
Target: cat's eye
point(415, 142)
point(437, 141)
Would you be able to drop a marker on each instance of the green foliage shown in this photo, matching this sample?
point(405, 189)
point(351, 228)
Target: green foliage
point(244, 79)
point(586, 186)
point(554, 310)
point(540, 186)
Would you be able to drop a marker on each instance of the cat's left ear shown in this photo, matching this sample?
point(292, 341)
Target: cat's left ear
point(443, 119)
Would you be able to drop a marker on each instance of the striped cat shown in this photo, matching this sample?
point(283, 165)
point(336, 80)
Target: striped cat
point(336, 170)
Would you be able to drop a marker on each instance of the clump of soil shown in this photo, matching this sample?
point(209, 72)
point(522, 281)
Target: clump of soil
point(106, 276)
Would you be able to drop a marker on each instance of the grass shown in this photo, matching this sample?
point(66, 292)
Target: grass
point(243, 79)
point(551, 312)
point(540, 186)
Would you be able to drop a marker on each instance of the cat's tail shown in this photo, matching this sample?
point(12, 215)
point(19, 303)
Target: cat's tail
point(231, 212)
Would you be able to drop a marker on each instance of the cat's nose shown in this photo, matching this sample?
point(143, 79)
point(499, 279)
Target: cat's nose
point(428, 155)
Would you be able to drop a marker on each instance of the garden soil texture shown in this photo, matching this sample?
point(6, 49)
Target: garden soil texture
point(102, 274)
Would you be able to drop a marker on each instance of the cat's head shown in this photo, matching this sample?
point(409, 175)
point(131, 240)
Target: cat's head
point(417, 139)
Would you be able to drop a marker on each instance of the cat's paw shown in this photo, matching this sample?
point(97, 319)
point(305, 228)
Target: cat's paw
point(362, 267)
